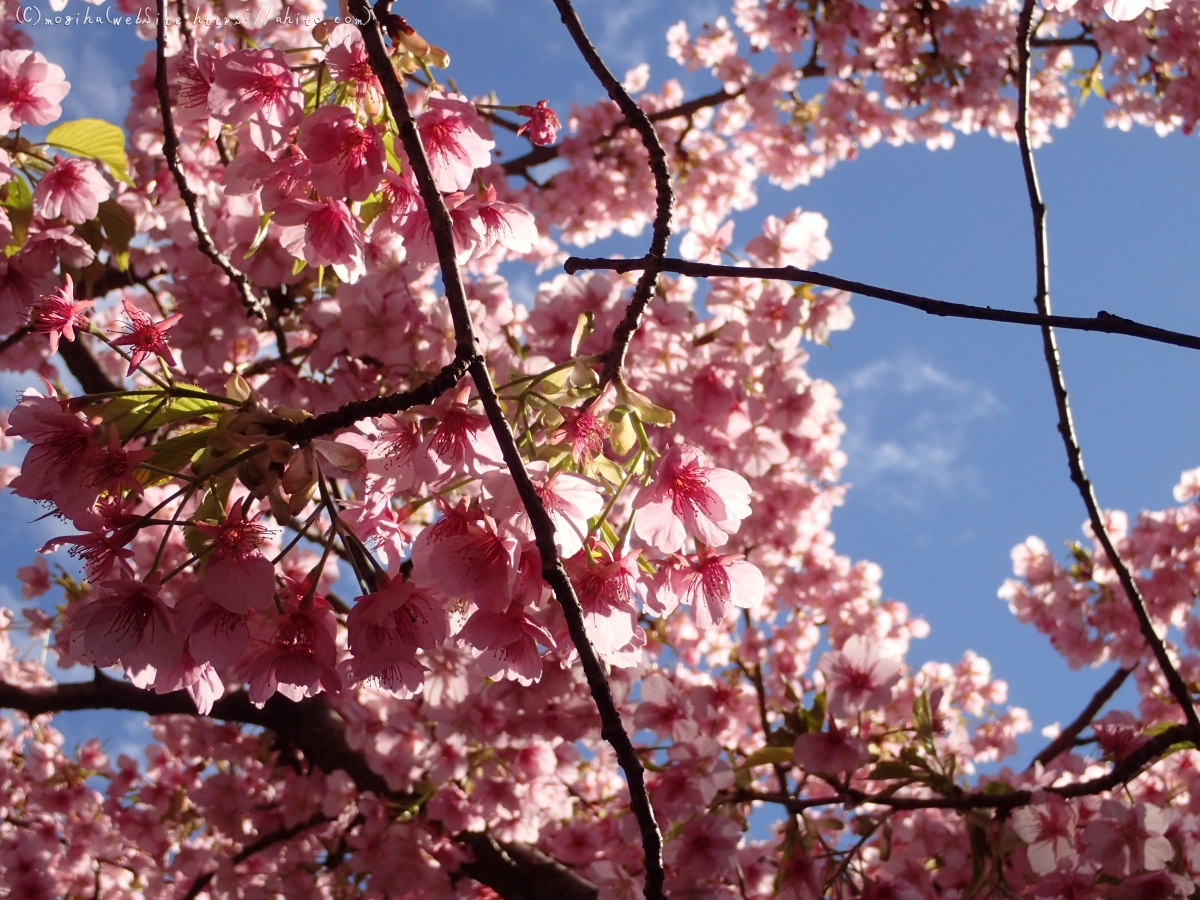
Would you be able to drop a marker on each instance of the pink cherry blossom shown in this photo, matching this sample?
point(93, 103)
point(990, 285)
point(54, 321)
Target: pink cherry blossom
point(299, 658)
point(456, 140)
point(387, 628)
point(508, 644)
point(323, 234)
point(1049, 830)
point(543, 123)
point(347, 158)
point(711, 585)
point(35, 579)
point(1126, 838)
point(704, 848)
point(59, 314)
point(73, 189)
point(236, 575)
point(857, 677)
point(259, 88)
point(145, 336)
point(127, 616)
point(569, 500)
point(31, 89)
point(689, 498)
point(833, 752)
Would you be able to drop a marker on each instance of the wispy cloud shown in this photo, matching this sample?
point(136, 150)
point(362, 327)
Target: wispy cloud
point(908, 424)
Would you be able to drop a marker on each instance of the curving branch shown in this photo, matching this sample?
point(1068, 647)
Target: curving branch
point(346, 415)
point(1066, 740)
point(515, 871)
point(1066, 427)
point(441, 227)
point(664, 199)
point(253, 303)
point(1103, 322)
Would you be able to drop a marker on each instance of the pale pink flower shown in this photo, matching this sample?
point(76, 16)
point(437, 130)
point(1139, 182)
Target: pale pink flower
point(215, 635)
point(607, 587)
point(346, 57)
point(1118, 733)
point(391, 464)
point(1128, 10)
point(259, 88)
point(1048, 828)
point(584, 432)
point(705, 848)
point(467, 229)
point(711, 585)
point(461, 442)
point(374, 520)
point(60, 441)
point(31, 89)
point(543, 123)
point(236, 575)
point(347, 158)
point(127, 616)
point(665, 710)
point(508, 644)
point(704, 246)
point(465, 554)
point(505, 224)
point(690, 498)
point(298, 660)
point(570, 501)
point(456, 140)
point(798, 239)
point(857, 678)
point(59, 314)
point(35, 579)
point(74, 189)
point(324, 234)
point(109, 530)
point(387, 628)
point(145, 336)
point(832, 752)
point(1127, 838)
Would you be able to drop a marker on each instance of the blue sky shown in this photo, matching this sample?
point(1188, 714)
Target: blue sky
point(954, 456)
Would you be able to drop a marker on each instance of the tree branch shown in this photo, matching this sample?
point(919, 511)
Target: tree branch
point(1066, 427)
point(1103, 322)
point(315, 729)
point(441, 227)
point(1066, 739)
point(347, 415)
point(664, 199)
point(241, 282)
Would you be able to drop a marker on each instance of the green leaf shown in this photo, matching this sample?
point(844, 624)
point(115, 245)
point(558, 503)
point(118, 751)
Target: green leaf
point(622, 436)
point(94, 139)
point(119, 227)
point(261, 235)
point(174, 454)
point(767, 756)
point(18, 200)
point(887, 769)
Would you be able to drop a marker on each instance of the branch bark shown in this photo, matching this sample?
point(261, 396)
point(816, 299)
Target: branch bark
point(1066, 739)
point(241, 282)
point(1103, 322)
point(468, 345)
point(1066, 428)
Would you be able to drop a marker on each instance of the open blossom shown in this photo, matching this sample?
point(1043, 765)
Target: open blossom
point(461, 442)
point(607, 587)
point(543, 123)
point(585, 434)
point(798, 239)
point(324, 234)
point(508, 644)
point(259, 88)
point(127, 616)
point(145, 336)
point(570, 501)
point(31, 89)
point(346, 57)
point(711, 585)
point(1048, 828)
point(705, 848)
point(237, 575)
point(456, 140)
point(857, 678)
point(833, 751)
point(73, 189)
point(298, 659)
point(689, 498)
point(59, 314)
point(347, 158)
point(386, 628)
point(1125, 838)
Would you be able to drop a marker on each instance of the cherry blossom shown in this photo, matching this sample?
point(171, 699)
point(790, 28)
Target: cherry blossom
point(59, 314)
point(689, 498)
point(145, 336)
point(31, 89)
point(543, 123)
point(857, 677)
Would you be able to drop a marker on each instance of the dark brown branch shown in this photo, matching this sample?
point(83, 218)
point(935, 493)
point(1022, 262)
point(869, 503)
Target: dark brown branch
point(250, 300)
point(541, 155)
point(1103, 322)
point(347, 415)
point(1121, 773)
point(1066, 740)
point(82, 363)
point(520, 871)
point(1076, 41)
point(267, 840)
point(441, 227)
point(664, 196)
point(15, 338)
point(1066, 427)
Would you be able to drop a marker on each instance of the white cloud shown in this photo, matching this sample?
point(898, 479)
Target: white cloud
point(908, 424)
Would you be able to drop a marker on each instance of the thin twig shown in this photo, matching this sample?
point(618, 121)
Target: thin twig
point(664, 196)
point(1066, 427)
point(441, 227)
point(250, 301)
point(1066, 739)
point(1103, 322)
